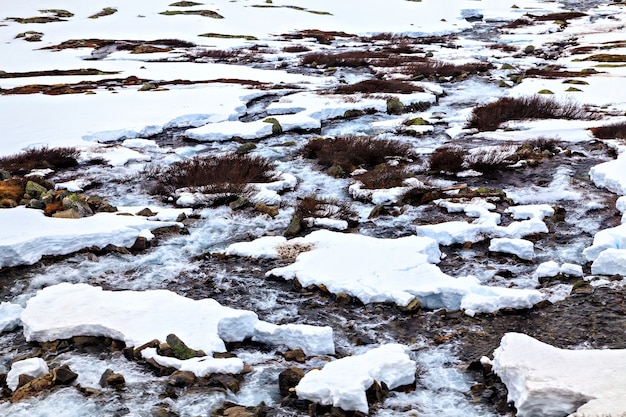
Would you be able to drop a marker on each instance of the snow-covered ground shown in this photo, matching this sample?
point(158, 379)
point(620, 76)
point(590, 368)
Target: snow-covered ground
point(151, 108)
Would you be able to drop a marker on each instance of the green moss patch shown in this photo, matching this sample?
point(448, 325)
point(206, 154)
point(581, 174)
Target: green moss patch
point(204, 13)
point(107, 11)
point(277, 129)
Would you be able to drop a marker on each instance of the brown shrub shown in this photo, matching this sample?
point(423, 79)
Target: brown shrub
point(314, 206)
point(447, 159)
point(343, 59)
point(379, 86)
point(41, 158)
point(489, 116)
point(503, 47)
point(215, 174)
point(553, 71)
point(323, 37)
point(541, 144)
point(12, 189)
point(350, 152)
point(296, 48)
point(433, 69)
point(491, 160)
point(383, 177)
point(562, 16)
point(613, 131)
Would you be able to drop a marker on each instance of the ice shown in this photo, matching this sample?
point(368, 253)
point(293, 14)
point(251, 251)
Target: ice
point(10, 316)
point(29, 234)
point(381, 270)
point(342, 383)
point(531, 211)
point(547, 381)
point(460, 232)
point(523, 249)
point(34, 367)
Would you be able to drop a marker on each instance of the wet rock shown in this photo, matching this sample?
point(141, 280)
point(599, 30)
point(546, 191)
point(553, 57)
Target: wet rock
point(294, 227)
point(395, 106)
point(135, 353)
point(343, 298)
point(146, 212)
point(377, 393)
point(180, 350)
point(34, 387)
point(412, 306)
point(227, 381)
point(159, 369)
point(271, 211)
point(239, 203)
point(181, 379)
point(296, 355)
point(582, 287)
point(140, 245)
point(288, 379)
point(245, 148)
point(77, 203)
point(99, 205)
point(36, 204)
point(24, 379)
point(4, 175)
point(67, 214)
point(63, 375)
point(112, 379)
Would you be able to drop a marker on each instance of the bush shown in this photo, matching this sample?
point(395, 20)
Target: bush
point(613, 131)
point(490, 160)
point(489, 116)
point(447, 159)
point(227, 174)
point(383, 177)
point(350, 152)
point(314, 206)
point(435, 69)
point(379, 86)
point(41, 158)
point(344, 59)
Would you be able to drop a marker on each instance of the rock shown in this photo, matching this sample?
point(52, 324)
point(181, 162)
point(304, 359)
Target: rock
point(582, 287)
point(34, 387)
point(99, 205)
point(112, 379)
point(413, 306)
point(288, 379)
point(227, 381)
point(295, 355)
point(294, 227)
point(140, 245)
point(67, 214)
point(336, 171)
point(395, 106)
point(181, 379)
point(135, 353)
point(239, 203)
point(246, 148)
point(4, 175)
point(271, 211)
point(34, 367)
point(63, 375)
point(78, 203)
point(36, 204)
point(180, 350)
point(24, 379)
point(343, 298)
point(146, 213)
point(34, 190)
point(238, 411)
point(376, 393)
point(159, 369)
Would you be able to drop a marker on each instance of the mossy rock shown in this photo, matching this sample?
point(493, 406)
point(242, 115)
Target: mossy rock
point(507, 67)
point(395, 106)
point(224, 36)
point(277, 129)
point(294, 227)
point(529, 50)
point(30, 36)
point(544, 91)
point(180, 350)
point(185, 4)
point(148, 87)
point(417, 121)
point(576, 82)
point(351, 114)
point(107, 11)
point(245, 148)
point(503, 84)
point(34, 190)
point(336, 171)
point(573, 90)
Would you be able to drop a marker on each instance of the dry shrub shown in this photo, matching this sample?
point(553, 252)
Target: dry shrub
point(503, 47)
point(12, 189)
point(562, 16)
point(489, 116)
point(314, 206)
point(541, 144)
point(447, 159)
point(350, 152)
point(379, 86)
point(296, 49)
point(433, 69)
point(613, 131)
point(344, 59)
point(215, 174)
point(323, 37)
point(490, 160)
point(41, 158)
point(554, 71)
point(383, 177)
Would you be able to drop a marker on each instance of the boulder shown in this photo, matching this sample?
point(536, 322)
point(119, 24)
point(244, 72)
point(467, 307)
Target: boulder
point(180, 350)
point(288, 379)
point(34, 387)
point(112, 379)
point(181, 379)
point(63, 375)
point(34, 190)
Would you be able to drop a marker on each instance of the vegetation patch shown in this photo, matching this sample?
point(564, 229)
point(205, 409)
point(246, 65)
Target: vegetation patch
point(606, 58)
point(53, 15)
point(277, 129)
point(489, 116)
point(436, 69)
point(379, 86)
point(30, 36)
point(204, 13)
point(559, 16)
point(490, 160)
point(323, 37)
point(54, 73)
point(382, 177)
point(447, 159)
point(227, 174)
point(302, 9)
point(122, 45)
point(350, 152)
point(552, 72)
point(315, 206)
point(39, 158)
point(612, 131)
point(185, 4)
point(107, 11)
point(223, 36)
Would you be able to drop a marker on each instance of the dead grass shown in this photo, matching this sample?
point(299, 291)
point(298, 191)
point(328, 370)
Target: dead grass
point(488, 117)
point(379, 86)
point(40, 158)
point(612, 131)
point(224, 174)
point(323, 37)
point(560, 16)
point(315, 206)
point(383, 177)
point(296, 49)
point(447, 159)
point(490, 161)
point(435, 69)
point(350, 152)
point(553, 72)
point(352, 59)
point(12, 189)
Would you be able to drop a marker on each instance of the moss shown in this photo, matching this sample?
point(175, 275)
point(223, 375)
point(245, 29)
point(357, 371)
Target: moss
point(503, 84)
point(57, 12)
point(336, 171)
point(395, 106)
point(148, 87)
point(277, 129)
point(606, 58)
point(576, 82)
point(610, 65)
point(507, 67)
point(223, 36)
point(245, 148)
point(573, 89)
point(30, 36)
point(185, 4)
point(107, 11)
point(529, 50)
point(417, 121)
point(544, 91)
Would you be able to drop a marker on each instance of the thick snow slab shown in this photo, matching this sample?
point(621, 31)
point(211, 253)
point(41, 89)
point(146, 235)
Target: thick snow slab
point(613, 238)
point(34, 367)
point(10, 316)
point(460, 232)
point(137, 317)
point(611, 175)
point(522, 248)
point(546, 381)
point(382, 270)
point(610, 262)
point(343, 383)
point(29, 234)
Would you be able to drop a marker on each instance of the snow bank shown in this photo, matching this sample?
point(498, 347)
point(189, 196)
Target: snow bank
point(381, 270)
point(546, 381)
point(460, 232)
point(137, 317)
point(610, 262)
point(612, 238)
point(611, 175)
point(28, 234)
point(343, 383)
point(10, 316)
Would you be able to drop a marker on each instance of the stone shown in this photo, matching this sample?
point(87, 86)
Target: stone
point(181, 379)
point(294, 227)
point(343, 298)
point(271, 211)
point(246, 148)
point(227, 381)
point(140, 245)
point(112, 379)
point(63, 375)
point(34, 190)
point(239, 203)
point(376, 393)
point(180, 350)
point(4, 175)
point(32, 388)
point(77, 203)
point(36, 204)
point(395, 106)
point(288, 379)
point(296, 355)
point(146, 213)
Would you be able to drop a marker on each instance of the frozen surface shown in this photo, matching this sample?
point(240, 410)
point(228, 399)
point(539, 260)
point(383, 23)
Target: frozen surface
point(29, 234)
point(547, 381)
point(34, 367)
point(523, 249)
point(342, 383)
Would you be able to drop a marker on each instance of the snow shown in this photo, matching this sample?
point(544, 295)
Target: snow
point(611, 238)
point(397, 270)
point(142, 316)
point(342, 383)
point(610, 175)
point(460, 232)
point(547, 269)
point(29, 234)
point(34, 367)
point(9, 316)
point(523, 249)
point(610, 262)
point(547, 381)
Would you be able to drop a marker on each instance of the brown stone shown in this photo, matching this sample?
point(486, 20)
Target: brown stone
point(288, 379)
point(146, 213)
point(227, 381)
point(295, 355)
point(32, 388)
point(181, 379)
point(140, 245)
point(112, 379)
point(63, 375)
point(343, 298)
point(271, 211)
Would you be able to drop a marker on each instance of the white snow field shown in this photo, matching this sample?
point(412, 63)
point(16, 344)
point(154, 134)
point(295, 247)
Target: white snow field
point(544, 380)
